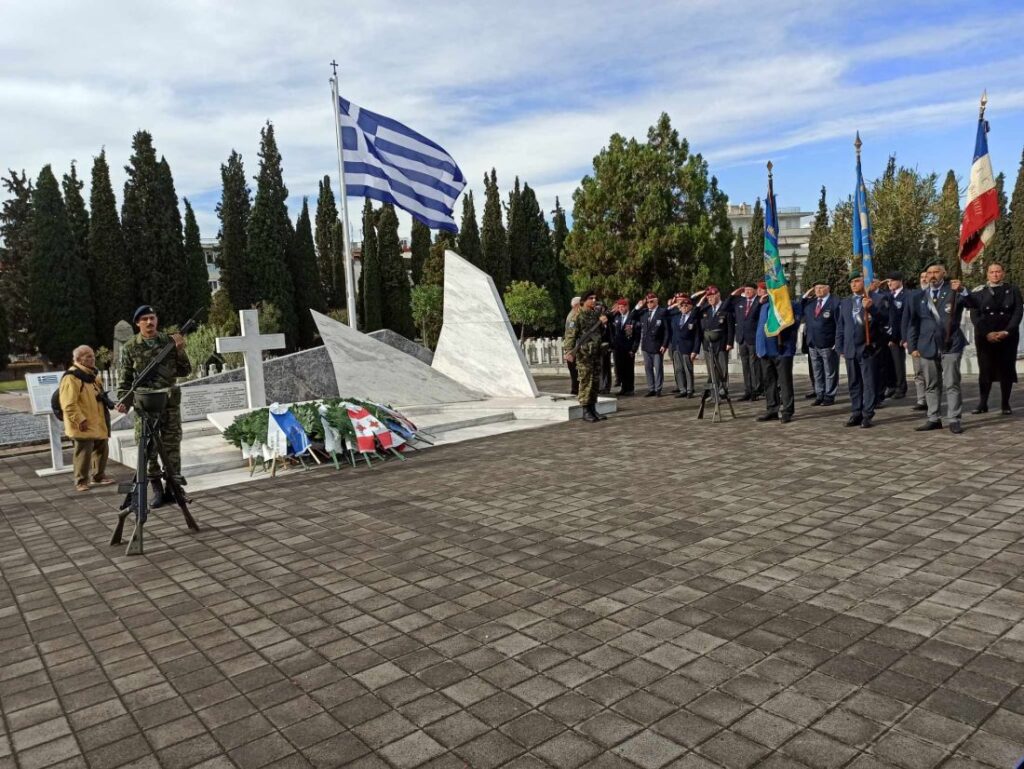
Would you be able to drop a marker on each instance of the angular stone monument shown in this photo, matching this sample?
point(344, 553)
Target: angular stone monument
point(478, 346)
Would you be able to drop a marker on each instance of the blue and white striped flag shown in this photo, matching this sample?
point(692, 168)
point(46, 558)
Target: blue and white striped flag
point(390, 162)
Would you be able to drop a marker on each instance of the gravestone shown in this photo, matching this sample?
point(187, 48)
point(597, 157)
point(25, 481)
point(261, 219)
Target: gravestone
point(123, 331)
point(206, 398)
point(252, 344)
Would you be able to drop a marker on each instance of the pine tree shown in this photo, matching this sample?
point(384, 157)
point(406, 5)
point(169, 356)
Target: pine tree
point(1016, 217)
point(739, 258)
point(78, 218)
point(1000, 248)
point(947, 225)
point(433, 270)
point(902, 205)
point(839, 250)
point(174, 291)
point(233, 211)
point(306, 275)
point(198, 275)
point(469, 233)
point(493, 238)
point(518, 237)
point(396, 307)
point(269, 236)
point(60, 306)
point(110, 278)
point(419, 247)
point(753, 267)
point(330, 247)
point(15, 255)
point(371, 277)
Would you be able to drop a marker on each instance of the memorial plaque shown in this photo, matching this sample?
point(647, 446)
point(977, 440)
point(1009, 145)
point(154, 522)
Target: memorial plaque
point(40, 389)
point(199, 400)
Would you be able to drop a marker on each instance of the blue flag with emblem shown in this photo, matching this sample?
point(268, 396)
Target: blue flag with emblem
point(862, 242)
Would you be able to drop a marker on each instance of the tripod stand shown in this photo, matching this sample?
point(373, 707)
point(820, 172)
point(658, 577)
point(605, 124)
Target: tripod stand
point(713, 389)
point(149, 407)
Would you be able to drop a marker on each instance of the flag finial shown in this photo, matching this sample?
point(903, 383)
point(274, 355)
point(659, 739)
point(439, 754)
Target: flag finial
point(984, 103)
point(857, 143)
point(769, 168)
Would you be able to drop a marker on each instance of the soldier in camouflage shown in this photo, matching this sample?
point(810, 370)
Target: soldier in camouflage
point(136, 354)
point(582, 345)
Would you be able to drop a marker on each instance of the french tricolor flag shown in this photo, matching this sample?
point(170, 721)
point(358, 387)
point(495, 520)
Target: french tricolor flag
point(982, 210)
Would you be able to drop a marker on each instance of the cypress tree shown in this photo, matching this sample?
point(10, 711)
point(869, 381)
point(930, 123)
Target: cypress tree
point(233, 211)
point(330, 247)
point(518, 237)
point(198, 277)
point(543, 265)
point(60, 306)
point(493, 238)
point(5, 339)
point(739, 258)
point(396, 304)
point(269, 236)
point(78, 218)
point(999, 249)
point(173, 291)
point(469, 233)
point(303, 266)
point(371, 276)
point(1016, 217)
point(559, 233)
point(433, 270)
point(754, 266)
point(947, 225)
point(718, 260)
point(818, 246)
point(420, 249)
point(110, 278)
point(140, 218)
point(15, 255)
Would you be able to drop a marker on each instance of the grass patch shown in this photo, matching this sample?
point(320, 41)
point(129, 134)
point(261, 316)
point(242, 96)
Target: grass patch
point(15, 385)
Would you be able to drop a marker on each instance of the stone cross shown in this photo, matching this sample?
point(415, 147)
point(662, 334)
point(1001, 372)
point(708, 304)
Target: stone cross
point(252, 344)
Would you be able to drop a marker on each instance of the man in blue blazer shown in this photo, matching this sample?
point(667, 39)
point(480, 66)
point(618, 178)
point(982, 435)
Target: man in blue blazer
point(859, 329)
point(775, 356)
point(654, 335)
point(936, 339)
point(746, 310)
point(624, 344)
point(684, 342)
point(820, 311)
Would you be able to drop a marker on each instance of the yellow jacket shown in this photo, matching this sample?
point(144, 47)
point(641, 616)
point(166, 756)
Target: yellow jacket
point(79, 402)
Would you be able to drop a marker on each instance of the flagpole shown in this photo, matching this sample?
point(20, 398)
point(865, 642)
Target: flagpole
point(350, 280)
point(867, 316)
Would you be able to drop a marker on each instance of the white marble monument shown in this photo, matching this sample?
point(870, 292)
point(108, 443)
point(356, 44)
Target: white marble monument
point(477, 345)
point(252, 344)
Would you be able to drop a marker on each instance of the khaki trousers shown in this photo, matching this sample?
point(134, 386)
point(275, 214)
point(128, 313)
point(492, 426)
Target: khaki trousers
point(89, 459)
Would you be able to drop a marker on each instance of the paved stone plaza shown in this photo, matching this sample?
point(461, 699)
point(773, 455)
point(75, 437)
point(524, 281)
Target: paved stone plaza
point(650, 591)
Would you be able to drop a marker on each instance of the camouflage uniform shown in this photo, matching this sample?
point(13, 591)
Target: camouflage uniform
point(588, 356)
point(136, 354)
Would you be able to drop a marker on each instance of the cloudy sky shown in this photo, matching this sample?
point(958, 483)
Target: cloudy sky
point(531, 88)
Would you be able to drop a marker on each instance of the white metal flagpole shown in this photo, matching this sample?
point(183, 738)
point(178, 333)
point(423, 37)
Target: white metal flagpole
point(350, 280)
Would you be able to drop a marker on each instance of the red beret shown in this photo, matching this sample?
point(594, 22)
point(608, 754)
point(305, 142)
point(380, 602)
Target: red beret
point(761, 284)
point(622, 300)
point(711, 290)
point(651, 296)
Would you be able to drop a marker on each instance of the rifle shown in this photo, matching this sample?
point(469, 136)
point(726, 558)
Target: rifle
point(587, 335)
point(186, 328)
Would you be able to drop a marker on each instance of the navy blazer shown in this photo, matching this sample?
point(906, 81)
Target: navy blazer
point(723, 321)
point(684, 336)
point(851, 337)
point(625, 335)
point(783, 345)
point(821, 330)
point(934, 327)
point(746, 322)
point(897, 325)
point(653, 329)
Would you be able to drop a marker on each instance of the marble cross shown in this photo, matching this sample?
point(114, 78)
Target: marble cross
point(252, 344)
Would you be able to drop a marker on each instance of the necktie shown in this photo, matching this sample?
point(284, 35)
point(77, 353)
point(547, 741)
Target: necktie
point(857, 311)
point(746, 312)
point(935, 294)
point(817, 310)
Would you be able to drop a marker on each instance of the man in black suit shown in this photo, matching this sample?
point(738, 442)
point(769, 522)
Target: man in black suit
point(654, 334)
point(684, 342)
point(624, 343)
point(996, 313)
point(747, 310)
point(936, 339)
point(858, 325)
point(820, 329)
point(718, 329)
point(898, 298)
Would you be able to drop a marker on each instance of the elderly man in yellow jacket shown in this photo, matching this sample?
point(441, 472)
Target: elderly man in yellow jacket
point(86, 419)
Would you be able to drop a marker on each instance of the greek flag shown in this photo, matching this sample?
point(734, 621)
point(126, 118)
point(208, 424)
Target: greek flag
point(387, 161)
point(862, 242)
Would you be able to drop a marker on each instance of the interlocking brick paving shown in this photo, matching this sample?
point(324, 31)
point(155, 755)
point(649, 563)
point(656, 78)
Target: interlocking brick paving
point(646, 592)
